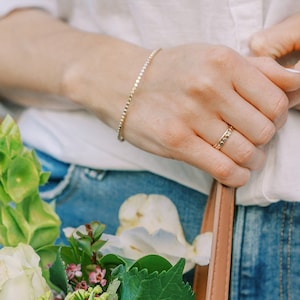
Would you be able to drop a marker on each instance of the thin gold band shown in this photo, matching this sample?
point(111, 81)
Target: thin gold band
point(225, 136)
point(131, 94)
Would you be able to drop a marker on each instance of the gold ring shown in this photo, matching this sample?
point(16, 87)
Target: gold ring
point(225, 136)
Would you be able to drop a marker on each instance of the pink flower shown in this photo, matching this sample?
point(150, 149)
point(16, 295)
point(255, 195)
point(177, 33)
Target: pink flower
point(81, 285)
point(98, 276)
point(73, 270)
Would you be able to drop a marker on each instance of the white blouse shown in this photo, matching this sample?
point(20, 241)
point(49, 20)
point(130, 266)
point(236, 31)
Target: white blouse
point(75, 136)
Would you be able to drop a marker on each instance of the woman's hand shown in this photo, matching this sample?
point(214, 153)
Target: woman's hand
point(189, 96)
point(186, 100)
point(281, 42)
point(278, 40)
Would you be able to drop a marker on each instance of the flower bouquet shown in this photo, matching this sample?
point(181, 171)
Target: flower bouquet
point(93, 265)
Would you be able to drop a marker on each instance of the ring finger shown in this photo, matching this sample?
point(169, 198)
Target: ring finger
point(222, 137)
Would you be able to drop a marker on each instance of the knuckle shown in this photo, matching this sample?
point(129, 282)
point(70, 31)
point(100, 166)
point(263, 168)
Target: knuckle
point(236, 181)
point(280, 106)
point(172, 137)
point(258, 43)
point(218, 58)
point(202, 86)
point(265, 134)
point(224, 170)
point(245, 152)
point(221, 55)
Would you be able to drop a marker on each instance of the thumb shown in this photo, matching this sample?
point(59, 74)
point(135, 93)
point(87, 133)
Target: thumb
point(278, 40)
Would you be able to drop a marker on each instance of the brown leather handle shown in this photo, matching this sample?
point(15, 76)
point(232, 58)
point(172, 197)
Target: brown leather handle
point(212, 282)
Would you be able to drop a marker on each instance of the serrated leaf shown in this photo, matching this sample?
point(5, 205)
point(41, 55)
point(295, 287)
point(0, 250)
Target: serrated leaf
point(130, 281)
point(152, 263)
point(141, 285)
point(168, 285)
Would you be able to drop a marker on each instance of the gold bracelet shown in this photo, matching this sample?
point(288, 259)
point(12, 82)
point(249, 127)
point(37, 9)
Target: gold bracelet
point(131, 94)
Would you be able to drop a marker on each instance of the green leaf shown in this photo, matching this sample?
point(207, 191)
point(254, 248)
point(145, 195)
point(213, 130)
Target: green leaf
point(109, 261)
point(152, 263)
point(97, 245)
point(97, 229)
point(44, 177)
point(85, 244)
point(130, 281)
point(142, 285)
point(48, 255)
point(76, 252)
point(57, 273)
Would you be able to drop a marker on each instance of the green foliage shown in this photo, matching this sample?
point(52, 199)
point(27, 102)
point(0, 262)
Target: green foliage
point(138, 284)
point(151, 277)
point(24, 216)
point(57, 272)
point(82, 250)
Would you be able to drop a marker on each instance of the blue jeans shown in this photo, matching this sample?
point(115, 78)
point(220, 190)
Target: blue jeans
point(266, 246)
point(266, 252)
point(83, 195)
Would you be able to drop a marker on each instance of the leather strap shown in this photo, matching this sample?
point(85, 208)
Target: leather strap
point(212, 282)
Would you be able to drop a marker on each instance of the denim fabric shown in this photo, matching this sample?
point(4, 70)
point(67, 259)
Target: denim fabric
point(84, 195)
point(266, 253)
point(266, 248)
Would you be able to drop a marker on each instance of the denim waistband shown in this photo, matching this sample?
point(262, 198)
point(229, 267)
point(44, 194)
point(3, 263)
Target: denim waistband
point(58, 169)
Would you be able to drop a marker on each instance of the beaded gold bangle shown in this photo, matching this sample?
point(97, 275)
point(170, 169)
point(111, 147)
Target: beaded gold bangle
point(131, 94)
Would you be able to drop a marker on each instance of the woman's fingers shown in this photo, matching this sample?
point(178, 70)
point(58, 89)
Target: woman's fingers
point(197, 152)
point(191, 95)
point(233, 144)
point(287, 79)
point(277, 40)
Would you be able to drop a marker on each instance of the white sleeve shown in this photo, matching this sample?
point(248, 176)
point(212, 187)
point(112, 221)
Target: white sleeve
point(7, 6)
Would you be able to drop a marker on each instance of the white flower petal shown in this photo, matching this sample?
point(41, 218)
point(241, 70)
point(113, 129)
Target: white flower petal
point(152, 212)
point(201, 249)
point(20, 274)
point(149, 224)
point(137, 242)
point(69, 231)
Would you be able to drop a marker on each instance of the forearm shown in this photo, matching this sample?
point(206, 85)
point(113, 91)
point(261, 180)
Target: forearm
point(43, 54)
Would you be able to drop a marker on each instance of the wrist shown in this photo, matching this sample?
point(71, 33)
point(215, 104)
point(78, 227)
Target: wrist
point(101, 78)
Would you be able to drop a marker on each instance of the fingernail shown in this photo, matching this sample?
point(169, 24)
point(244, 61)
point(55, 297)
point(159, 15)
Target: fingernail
point(292, 70)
